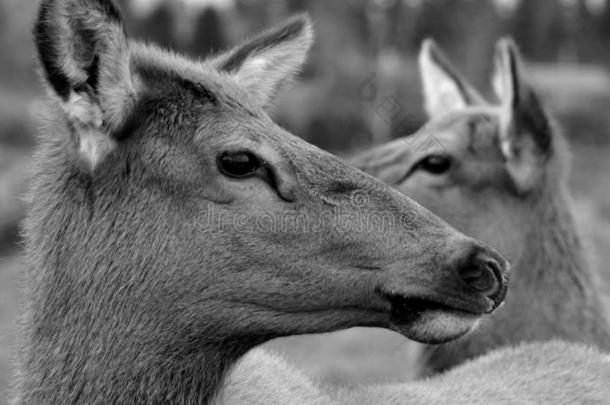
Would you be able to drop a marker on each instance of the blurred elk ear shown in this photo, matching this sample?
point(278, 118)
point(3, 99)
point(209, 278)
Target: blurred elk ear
point(84, 56)
point(266, 63)
point(444, 89)
point(525, 130)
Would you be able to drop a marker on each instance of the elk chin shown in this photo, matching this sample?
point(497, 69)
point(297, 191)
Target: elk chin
point(428, 321)
point(437, 326)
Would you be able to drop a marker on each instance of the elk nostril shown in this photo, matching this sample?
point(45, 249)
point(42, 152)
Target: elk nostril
point(483, 275)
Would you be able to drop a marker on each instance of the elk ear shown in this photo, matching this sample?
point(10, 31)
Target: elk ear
point(266, 63)
point(444, 89)
point(525, 130)
point(84, 56)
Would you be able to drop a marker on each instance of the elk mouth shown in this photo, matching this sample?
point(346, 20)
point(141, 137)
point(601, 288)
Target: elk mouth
point(430, 320)
point(407, 309)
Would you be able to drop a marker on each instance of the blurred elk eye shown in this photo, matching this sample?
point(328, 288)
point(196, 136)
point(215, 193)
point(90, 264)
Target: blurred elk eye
point(238, 164)
point(435, 164)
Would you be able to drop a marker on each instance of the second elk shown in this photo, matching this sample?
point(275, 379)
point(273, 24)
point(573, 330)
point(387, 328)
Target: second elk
point(499, 172)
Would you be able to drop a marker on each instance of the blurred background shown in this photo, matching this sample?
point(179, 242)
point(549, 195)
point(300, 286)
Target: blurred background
point(361, 44)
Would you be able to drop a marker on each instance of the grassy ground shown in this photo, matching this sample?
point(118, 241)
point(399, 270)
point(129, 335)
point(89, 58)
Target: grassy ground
point(366, 354)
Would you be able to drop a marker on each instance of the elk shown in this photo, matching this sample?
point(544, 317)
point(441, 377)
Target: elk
point(172, 226)
point(498, 172)
point(542, 373)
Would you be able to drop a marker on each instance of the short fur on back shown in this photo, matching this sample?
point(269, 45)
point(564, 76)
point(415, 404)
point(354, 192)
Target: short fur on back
point(550, 373)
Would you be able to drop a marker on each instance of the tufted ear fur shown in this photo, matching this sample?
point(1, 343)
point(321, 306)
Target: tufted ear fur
point(525, 130)
point(266, 63)
point(444, 89)
point(84, 56)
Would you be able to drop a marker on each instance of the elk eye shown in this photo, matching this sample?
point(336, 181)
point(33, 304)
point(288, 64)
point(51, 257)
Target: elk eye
point(435, 164)
point(238, 164)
